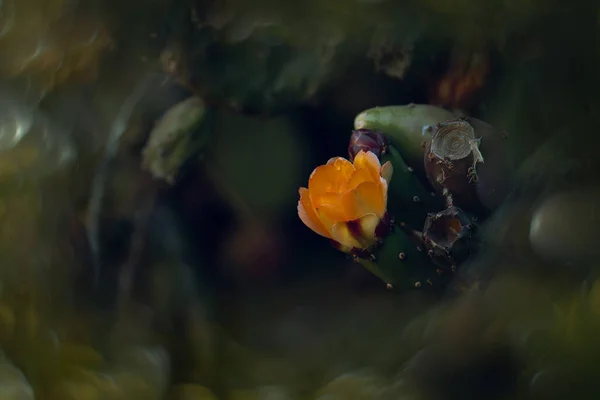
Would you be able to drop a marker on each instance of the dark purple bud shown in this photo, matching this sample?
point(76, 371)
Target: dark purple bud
point(367, 140)
point(449, 236)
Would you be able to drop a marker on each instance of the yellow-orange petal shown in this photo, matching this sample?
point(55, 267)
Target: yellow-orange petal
point(372, 198)
point(342, 234)
point(359, 233)
point(341, 165)
point(345, 169)
point(338, 206)
point(332, 177)
point(368, 161)
point(368, 224)
point(387, 171)
point(327, 222)
point(383, 184)
point(332, 205)
point(359, 176)
point(309, 216)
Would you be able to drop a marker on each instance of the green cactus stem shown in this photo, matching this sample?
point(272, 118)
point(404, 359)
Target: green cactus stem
point(408, 200)
point(400, 262)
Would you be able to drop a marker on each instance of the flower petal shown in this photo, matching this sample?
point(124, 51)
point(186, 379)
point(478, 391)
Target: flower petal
point(343, 234)
point(368, 161)
point(338, 207)
point(309, 216)
point(359, 176)
point(332, 177)
point(387, 171)
point(384, 191)
point(372, 198)
point(359, 233)
point(332, 205)
point(368, 224)
point(325, 219)
point(344, 169)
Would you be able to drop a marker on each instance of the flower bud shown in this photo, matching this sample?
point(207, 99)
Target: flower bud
point(367, 140)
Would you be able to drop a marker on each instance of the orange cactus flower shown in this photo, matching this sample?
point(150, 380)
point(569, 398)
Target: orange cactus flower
point(346, 201)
